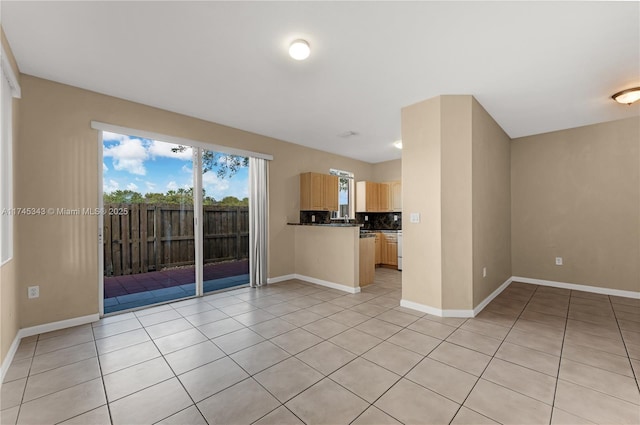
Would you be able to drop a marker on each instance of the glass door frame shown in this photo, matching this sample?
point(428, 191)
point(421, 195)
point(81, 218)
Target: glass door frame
point(197, 220)
point(198, 149)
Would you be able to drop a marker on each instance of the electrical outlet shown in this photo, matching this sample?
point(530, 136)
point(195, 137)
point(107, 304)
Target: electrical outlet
point(414, 218)
point(313, 218)
point(558, 261)
point(366, 218)
point(484, 272)
point(395, 217)
point(33, 291)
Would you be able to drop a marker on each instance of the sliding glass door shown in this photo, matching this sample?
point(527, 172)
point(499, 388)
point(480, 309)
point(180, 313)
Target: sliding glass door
point(225, 220)
point(148, 222)
point(175, 221)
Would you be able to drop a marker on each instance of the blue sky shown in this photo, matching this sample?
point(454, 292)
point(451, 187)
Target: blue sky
point(144, 165)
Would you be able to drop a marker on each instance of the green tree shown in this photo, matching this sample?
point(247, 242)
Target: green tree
point(232, 201)
point(225, 165)
point(178, 196)
point(123, 197)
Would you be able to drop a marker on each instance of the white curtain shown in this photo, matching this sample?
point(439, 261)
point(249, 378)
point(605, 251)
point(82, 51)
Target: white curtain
point(258, 220)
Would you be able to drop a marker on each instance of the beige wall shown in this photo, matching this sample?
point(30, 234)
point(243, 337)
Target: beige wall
point(576, 195)
point(455, 170)
point(328, 253)
point(491, 204)
point(9, 321)
point(421, 182)
point(56, 166)
point(456, 195)
point(8, 307)
point(387, 171)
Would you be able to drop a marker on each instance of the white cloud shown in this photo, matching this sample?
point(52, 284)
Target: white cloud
point(114, 137)
point(172, 185)
point(150, 186)
point(104, 167)
point(214, 185)
point(110, 186)
point(132, 186)
point(128, 155)
point(187, 169)
point(163, 149)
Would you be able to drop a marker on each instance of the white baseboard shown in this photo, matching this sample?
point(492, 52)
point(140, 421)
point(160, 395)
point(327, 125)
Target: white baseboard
point(491, 296)
point(332, 285)
point(9, 358)
point(578, 287)
point(435, 311)
point(472, 313)
point(281, 278)
point(455, 313)
point(55, 326)
point(36, 330)
point(320, 282)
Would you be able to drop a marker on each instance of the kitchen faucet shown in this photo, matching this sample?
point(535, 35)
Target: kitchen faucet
point(346, 218)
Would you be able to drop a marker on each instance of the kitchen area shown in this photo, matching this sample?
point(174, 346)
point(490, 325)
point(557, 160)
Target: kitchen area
point(341, 250)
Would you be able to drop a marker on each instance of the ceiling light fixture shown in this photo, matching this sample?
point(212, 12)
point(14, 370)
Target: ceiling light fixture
point(299, 49)
point(627, 96)
point(398, 144)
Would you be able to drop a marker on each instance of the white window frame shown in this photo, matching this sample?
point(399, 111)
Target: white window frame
point(344, 175)
point(10, 89)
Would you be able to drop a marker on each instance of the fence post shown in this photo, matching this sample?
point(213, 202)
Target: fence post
point(157, 242)
point(238, 236)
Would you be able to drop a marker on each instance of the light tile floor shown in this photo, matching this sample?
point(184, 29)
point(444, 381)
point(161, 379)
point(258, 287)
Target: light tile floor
point(295, 353)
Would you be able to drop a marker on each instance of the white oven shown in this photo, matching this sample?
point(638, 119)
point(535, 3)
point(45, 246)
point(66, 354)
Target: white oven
point(399, 249)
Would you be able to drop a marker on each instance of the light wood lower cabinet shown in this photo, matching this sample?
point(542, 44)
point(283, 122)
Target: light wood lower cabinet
point(386, 249)
point(390, 256)
point(367, 261)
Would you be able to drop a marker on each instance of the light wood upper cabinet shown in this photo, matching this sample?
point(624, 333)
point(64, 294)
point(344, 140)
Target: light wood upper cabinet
point(395, 190)
point(384, 197)
point(318, 192)
point(366, 196)
point(378, 197)
point(330, 191)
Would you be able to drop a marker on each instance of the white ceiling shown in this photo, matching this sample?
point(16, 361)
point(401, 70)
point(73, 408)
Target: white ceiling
point(536, 67)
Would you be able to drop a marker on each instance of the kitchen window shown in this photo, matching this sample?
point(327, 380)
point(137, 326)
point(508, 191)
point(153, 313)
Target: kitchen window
point(345, 195)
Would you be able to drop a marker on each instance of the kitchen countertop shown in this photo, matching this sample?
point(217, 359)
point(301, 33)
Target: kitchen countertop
point(326, 224)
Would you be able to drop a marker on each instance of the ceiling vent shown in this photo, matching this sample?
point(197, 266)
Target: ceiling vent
point(348, 133)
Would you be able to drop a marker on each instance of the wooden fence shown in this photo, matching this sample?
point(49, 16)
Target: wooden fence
point(154, 237)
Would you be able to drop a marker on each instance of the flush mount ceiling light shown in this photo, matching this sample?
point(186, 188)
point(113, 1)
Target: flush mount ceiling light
point(627, 96)
point(299, 49)
point(398, 144)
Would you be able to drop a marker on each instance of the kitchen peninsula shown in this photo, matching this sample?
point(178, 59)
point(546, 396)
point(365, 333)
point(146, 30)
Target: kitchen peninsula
point(334, 255)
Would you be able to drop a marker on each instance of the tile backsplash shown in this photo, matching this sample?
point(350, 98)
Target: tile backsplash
point(380, 221)
point(322, 217)
point(377, 221)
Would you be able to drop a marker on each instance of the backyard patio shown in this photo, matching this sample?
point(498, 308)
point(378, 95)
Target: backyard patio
point(135, 290)
point(150, 251)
